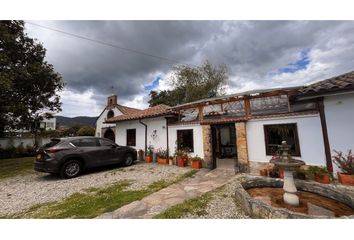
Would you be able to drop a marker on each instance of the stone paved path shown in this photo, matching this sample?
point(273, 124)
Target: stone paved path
point(156, 203)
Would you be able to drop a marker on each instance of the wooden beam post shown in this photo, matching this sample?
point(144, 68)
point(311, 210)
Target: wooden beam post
point(247, 106)
point(200, 112)
point(327, 147)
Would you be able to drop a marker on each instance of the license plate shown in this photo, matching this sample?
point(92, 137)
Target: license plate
point(39, 157)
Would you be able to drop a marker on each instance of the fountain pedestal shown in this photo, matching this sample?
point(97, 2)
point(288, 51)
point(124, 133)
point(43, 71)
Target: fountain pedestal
point(290, 190)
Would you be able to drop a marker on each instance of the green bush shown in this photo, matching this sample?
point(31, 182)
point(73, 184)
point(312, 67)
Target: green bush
point(86, 131)
point(15, 152)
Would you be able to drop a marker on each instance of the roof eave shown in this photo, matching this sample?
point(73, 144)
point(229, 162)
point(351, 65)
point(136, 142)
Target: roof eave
point(322, 93)
point(169, 114)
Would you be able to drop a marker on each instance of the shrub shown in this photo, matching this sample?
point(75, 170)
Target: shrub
point(196, 159)
point(149, 150)
point(316, 170)
point(20, 150)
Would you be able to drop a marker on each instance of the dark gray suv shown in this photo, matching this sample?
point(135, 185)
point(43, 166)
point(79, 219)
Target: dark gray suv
point(70, 156)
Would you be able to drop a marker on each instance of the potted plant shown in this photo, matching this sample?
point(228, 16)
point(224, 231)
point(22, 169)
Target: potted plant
point(274, 172)
point(263, 172)
point(346, 165)
point(320, 174)
point(141, 155)
point(181, 158)
point(148, 156)
point(196, 162)
point(162, 157)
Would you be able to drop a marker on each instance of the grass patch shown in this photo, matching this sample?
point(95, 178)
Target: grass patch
point(15, 166)
point(95, 201)
point(195, 206)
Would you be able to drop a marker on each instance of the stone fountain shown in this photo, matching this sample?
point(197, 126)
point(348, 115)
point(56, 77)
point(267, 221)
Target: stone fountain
point(289, 165)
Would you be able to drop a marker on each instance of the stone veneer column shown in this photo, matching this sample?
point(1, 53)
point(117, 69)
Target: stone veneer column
point(241, 143)
point(206, 130)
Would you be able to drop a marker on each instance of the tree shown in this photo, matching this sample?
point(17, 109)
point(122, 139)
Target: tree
point(86, 131)
point(192, 83)
point(28, 84)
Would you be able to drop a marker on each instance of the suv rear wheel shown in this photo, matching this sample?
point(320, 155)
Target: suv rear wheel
point(71, 169)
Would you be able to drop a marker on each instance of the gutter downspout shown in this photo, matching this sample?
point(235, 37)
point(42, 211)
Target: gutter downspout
point(168, 152)
point(145, 135)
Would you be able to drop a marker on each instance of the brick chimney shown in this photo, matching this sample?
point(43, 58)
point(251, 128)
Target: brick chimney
point(112, 101)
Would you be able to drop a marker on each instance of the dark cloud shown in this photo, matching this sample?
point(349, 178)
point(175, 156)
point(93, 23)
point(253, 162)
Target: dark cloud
point(253, 50)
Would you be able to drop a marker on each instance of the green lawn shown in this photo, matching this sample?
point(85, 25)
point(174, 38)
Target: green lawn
point(195, 206)
point(95, 201)
point(15, 166)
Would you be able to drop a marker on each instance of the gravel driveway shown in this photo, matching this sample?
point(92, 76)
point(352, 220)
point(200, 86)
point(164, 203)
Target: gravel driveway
point(21, 192)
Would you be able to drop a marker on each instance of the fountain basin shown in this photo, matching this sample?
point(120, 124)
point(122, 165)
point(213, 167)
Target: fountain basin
point(288, 166)
point(262, 209)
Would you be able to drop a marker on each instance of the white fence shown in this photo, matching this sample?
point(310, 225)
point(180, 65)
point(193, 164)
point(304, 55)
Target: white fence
point(16, 141)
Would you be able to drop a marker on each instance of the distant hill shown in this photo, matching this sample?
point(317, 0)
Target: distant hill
point(69, 122)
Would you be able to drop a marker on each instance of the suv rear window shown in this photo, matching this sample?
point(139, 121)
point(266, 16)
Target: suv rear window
point(86, 142)
point(52, 143)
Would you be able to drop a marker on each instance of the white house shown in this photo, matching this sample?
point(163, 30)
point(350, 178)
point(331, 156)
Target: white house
point(242, 131)
point(48, 123)
point(112, 109)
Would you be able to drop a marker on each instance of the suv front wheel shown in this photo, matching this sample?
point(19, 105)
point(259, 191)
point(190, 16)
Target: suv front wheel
point(128, 159)
point(71, 169)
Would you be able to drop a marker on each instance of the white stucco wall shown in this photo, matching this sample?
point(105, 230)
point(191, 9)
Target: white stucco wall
point(158, 140)
point(197, 138)
point(309, 132)
point(101, 119)
point(339, 111)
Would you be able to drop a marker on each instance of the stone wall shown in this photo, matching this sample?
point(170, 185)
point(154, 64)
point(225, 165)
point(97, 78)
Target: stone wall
point(208, 157)
point(241, 143)
point(255, 167)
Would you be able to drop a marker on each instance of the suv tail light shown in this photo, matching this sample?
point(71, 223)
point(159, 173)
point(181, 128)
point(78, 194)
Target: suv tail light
point(54, 150)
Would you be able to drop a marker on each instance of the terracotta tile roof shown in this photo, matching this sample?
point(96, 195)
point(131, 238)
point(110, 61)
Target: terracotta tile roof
point(344, 82)
point(128, 110)
point(155, 111)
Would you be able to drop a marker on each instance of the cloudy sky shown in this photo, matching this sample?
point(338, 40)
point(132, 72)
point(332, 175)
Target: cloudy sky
point(259, 54)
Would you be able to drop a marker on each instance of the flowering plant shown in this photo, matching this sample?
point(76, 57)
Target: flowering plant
point(345, 163)
point(181, 153)
point(162, 153)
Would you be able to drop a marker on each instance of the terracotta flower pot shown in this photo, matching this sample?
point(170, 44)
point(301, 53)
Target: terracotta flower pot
point(162, 160)
point(181, 162)
point(324, 178)
point(263, 172)
point(346, 179)
point(148, 159)
point(196, 164)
